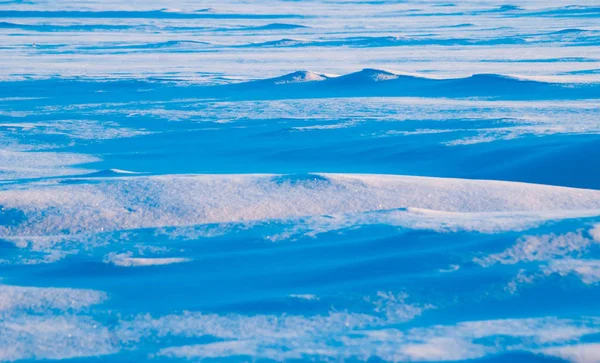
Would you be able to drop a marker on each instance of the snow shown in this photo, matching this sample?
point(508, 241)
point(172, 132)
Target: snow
point(395, 181)
point(174, 200)
point(125, 260)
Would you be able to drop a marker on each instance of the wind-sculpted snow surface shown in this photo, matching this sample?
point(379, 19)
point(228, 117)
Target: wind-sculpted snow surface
point(299, 181)
point(366, 83)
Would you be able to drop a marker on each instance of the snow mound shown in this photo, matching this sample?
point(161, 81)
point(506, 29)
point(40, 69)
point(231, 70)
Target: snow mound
point(376, 75)
point(299, 77)
point(105, 204)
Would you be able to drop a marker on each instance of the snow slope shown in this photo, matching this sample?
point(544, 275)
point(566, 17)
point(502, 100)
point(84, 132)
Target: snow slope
point(299, 181)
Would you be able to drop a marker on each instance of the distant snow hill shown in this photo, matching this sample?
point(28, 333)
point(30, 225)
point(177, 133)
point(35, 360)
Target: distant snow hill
point(305, 84)
point(381, 83)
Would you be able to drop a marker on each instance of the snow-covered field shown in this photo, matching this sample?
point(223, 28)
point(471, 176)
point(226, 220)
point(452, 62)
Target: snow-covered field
point(278, 180)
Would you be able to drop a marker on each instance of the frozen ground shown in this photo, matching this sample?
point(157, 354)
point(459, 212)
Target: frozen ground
point(381, 181)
